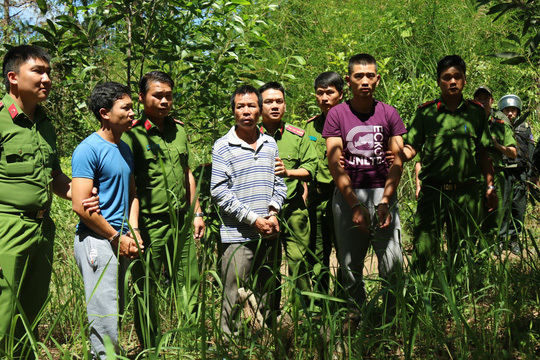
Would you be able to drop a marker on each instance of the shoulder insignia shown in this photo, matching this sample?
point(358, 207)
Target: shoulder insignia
point(135, 123)
point(427, 103)
point(294, 130)
point(313, 118)
point(147, 124)
point(13, 111)
point(1, 105)
point(471, 101)
point(500, 121)
point(178, 122)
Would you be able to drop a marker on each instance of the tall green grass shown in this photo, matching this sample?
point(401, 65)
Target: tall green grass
point(488, 309)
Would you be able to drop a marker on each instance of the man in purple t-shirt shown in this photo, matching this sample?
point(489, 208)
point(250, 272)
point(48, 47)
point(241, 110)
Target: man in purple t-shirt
point(363, 129)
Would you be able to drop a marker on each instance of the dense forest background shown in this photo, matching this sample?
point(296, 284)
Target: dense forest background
point(209, 47)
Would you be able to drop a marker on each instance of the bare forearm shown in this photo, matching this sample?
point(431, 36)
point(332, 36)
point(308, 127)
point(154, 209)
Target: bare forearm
point(61, 185)
point(486, 165)
point(193, 191)
point(298, 174)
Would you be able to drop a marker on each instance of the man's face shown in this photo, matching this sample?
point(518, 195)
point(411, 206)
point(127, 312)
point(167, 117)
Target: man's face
point(484, 98)
point(246, 111)
point(273, 106)
point(452, 82)
point(511, 112)
point(327, 98)
point(121, 115)
point(363, 80)
point(157, 101)
point(32, 80)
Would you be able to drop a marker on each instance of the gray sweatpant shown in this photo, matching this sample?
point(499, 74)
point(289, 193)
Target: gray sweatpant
point(98, 264)
point(353, 244)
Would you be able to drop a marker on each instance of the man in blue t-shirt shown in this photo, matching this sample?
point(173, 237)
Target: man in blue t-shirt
point(104, 161)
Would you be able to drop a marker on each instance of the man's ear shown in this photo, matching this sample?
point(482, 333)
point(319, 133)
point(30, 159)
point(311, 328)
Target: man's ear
point(104, 113)
point(12, 77)
point(141, 97)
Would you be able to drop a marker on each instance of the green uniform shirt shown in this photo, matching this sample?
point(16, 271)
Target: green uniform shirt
point(296, 152)
point(314, 129)
point(448, 142)
point(27, 159)
point(502, 132)
point(161, 160)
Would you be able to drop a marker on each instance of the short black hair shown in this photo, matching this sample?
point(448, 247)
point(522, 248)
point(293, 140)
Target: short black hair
point(105, 95)
point(18, 55)
point(451, 61)
point(361, 59)
point(272, 85)
point(245, 89)
point(329, 78)
point(154, 76)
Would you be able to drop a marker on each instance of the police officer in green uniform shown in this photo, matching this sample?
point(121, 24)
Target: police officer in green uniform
point(452, 135)
point(517, 172)
point(503, 146)
point(166, 190)
point(29, 174)
point(328, 92)
point(297, 163)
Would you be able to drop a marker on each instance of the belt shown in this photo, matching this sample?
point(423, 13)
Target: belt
point(37, 214)
point(454, 186)
point(322, 188)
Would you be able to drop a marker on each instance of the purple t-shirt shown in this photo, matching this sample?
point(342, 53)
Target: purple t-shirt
point(365, 140)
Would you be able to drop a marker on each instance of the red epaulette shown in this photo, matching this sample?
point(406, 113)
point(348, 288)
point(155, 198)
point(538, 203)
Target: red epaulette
point(178, 122)
point(294, 130)
point(1, 105)
point(135, 123)
point(500, 121)
point(313, 118)
point(475, 103)
point(427, 103)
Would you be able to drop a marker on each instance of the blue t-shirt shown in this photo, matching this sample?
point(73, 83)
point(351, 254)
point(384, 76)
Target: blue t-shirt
point(110, 166)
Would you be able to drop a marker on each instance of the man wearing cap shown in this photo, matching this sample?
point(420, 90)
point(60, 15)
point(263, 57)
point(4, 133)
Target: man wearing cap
point(516, 172)
point(503, 147)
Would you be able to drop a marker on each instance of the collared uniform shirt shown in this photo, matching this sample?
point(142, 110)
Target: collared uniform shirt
point(502, 132)
point(161, 160)
point(314, 130)
point(27, 159)
point(296, 152)
point(449, 141)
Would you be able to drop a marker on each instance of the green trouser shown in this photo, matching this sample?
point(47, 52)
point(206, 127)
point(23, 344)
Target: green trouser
point(459, 210)
point(26, 254)
point(321, 218)
point(492, 220)
point(169, 247)
point(295, 239)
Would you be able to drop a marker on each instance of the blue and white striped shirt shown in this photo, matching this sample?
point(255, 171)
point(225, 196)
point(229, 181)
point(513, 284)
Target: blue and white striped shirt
point(244, 184)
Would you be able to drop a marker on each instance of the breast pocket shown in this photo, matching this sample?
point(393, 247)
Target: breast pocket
point(19, 158)
point(291, 159)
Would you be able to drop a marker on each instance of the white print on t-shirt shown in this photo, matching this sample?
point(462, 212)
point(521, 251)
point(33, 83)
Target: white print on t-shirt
point(365, 144)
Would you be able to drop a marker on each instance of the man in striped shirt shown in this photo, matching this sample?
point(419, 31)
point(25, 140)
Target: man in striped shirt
point(249, 196)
